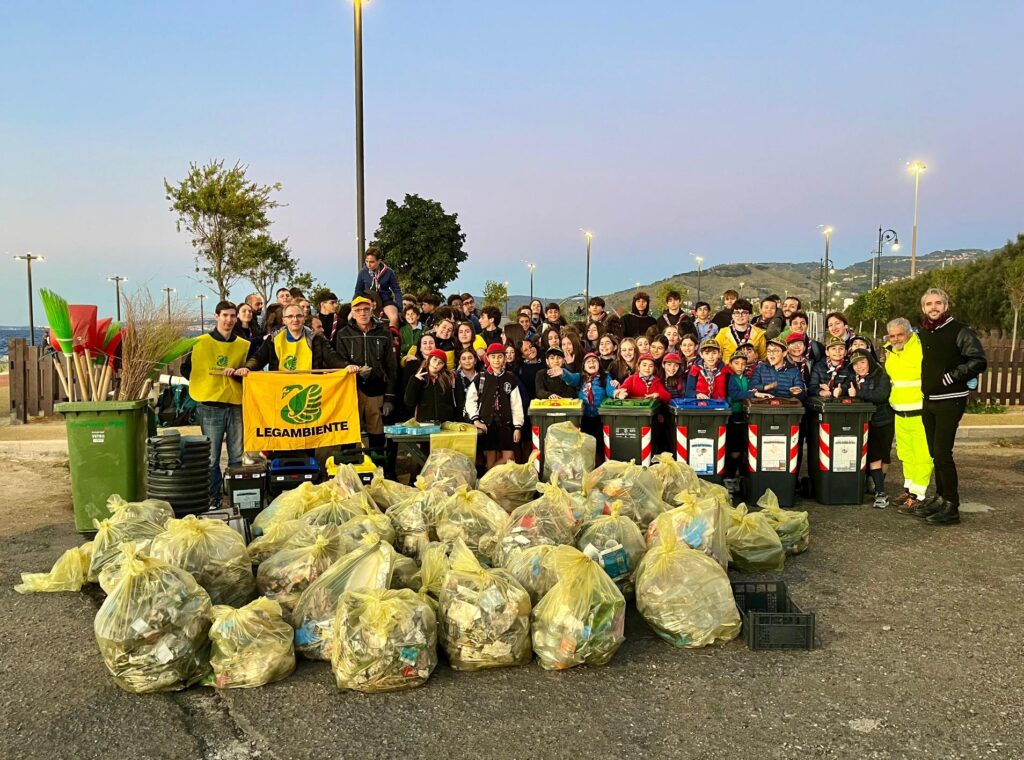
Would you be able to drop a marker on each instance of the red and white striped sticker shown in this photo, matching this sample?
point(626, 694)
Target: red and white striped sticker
point(794, 447)
point(645, 446)
point(535, 437)
point(720, 454)
point(752, 447)
point(607, 442)
point(864, 449)
point(824, 447)
point(682, 444)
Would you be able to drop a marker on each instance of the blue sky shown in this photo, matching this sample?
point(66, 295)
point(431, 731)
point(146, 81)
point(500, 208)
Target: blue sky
point(728, 129)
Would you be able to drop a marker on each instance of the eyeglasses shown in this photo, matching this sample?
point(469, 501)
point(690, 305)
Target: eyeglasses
point(740, 311)
point(293, 316)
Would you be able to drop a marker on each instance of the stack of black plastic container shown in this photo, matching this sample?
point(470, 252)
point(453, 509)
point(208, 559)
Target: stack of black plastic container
point(179, 471)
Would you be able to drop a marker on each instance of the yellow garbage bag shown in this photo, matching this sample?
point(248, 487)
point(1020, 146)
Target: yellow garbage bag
point(386, 493)
point(485, 615)
point(214, 554)
point(67, 574)
point(677, 476)
point(754, 546)
point(548, 519)
point(734, 516)
point(353, 532)
point(529, 568)
point(684, 594)
point(251, 646)
point(384, 640)
point(274, 539)
point(340, 509)
point(568, 455)
point(434, 566)
point(154, 510)
point(699, 523)
point(413, 519)
point(152, 628)
point(110, 534)
point(511, 485)
point(368, 566)
point(285, 575)
point(457, 436)
point(793, 528)
point(636, 487)
point(616, 544)
point(581, 620)
point(447, 469)
point(289, 505)
point(473, 517)
point(346, 480)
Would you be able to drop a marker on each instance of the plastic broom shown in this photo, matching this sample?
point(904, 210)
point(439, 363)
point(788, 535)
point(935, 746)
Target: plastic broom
point(59, 317)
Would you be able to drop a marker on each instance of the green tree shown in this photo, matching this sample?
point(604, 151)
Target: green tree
point(265, 262)
point(309, 285)
point(421, 243)
point(220, 208)
point(1015, 292)
point(662, 294)
point(495, 294)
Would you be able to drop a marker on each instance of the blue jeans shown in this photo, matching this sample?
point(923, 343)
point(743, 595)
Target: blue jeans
point(218, 422)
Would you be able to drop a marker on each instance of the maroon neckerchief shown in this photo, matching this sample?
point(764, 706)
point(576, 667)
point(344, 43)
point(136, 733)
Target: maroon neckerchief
point(376, 275)
point(590, 389)
point(710, 376)
point(932, 326)
point(833, 370)
point(736, 337)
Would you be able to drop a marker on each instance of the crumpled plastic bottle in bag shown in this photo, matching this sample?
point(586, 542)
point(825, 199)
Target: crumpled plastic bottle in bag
point(792, 527)
point(214, 554)
point(548, 519)
point(636, 487)
point(152, 628)
point(110, 534)
point(484, 613)
point(616, 544)
point(285, 575)
point(155, 510)
point(569, 455)
point(447, 469)
point(386, 493)
point(754, 546)
point(369, 566)
point(529, 568)
point(699, 523)
point(511, 485)
point(384, 640)
point(251, 646)
point(581, 620)
point(68, 573)
point(413, 519)
point(472, 516)
point(684, 594)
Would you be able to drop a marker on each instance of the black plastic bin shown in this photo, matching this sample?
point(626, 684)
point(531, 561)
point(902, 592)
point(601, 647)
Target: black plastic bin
point(627, 427)
point(700, 436)
point(773, 443)
point(837, 449)
point(247, 488)
point(771, 620)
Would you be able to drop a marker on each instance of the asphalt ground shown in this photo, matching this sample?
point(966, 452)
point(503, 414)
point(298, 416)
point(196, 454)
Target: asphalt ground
point(919, 656)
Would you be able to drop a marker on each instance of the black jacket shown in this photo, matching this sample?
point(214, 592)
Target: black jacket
point(953, 355)
point(528, 372)
point(723, 318)
point(432, 402)
point(875, 388)
point(682, 320)
point(324, 357)
point(558, 386)
point(636, 323)
point(820, 376)
point(376, 349)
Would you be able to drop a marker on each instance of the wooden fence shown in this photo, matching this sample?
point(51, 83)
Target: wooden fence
point(1001, 382)
point(34, 384)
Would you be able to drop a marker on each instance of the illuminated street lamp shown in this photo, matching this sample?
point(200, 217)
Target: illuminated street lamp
point(916, 167)
point(884, 236)
point(586, 287)
point(823, 283)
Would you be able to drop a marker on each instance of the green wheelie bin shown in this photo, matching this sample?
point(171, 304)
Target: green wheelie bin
point(107, 453)
point(626, 425)
point(837, 449)
point(546, 412)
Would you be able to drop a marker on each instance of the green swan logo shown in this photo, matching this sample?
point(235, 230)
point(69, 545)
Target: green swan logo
point(290, 363)
point(303, 406)
point(222, 361)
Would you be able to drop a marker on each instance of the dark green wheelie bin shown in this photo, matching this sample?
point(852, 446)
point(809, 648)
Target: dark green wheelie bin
point(627, 425)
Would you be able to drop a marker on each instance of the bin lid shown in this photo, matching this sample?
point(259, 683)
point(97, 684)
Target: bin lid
point(629, 406)
point(841, 405)
point(692, 404)
point(787, 406)
point(556, 405)
point(66, 407)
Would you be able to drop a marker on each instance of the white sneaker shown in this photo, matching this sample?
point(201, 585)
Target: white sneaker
point(881, 500)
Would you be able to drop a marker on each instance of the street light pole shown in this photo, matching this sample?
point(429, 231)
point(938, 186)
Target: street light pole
point(357, 9)
point(824, 284)
point(884, 236)
point(916, 167)
point(586, 287)
point(117, 280)
point(168, 291)
point(700, 260)
point(28, 258)
point(202, 316)
point(507, 315)
point(532, 268)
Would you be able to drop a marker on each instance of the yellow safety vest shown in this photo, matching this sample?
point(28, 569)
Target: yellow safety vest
point(904, 369)
point(209, 355)
point(292, 356)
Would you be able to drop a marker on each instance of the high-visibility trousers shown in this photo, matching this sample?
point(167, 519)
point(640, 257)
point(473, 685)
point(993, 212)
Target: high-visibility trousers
point(912, 449)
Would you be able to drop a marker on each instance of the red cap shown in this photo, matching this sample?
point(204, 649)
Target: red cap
point(437, 353)
point(794, 337)
point(495, 348)
point(645, 357)
point(673, 357)
point(591, 355)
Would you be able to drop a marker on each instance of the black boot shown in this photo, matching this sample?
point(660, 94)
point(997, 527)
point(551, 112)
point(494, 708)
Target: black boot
point(929, 506)
point(947, 514)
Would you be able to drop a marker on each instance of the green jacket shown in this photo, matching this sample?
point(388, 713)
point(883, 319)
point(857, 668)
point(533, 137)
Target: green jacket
point(410, 336)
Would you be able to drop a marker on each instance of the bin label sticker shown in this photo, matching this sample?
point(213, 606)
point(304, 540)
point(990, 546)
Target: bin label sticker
point(99, 436)
point(248, 498)
point(626, 432)
point(774, 453)
point(702, 456)
point(844, 453)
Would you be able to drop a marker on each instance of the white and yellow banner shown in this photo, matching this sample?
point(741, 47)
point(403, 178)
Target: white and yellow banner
point(299, 410)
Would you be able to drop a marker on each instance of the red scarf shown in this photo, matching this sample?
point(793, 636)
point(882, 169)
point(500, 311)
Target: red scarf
point(932, 325)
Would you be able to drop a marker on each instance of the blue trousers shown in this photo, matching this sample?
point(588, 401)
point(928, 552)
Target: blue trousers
point(218, 422)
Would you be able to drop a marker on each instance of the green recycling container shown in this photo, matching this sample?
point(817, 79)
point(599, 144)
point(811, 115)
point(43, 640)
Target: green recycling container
point(546, 412)
point(837, 449)
point(107, 453)
point(626, 425)
point(773, 442)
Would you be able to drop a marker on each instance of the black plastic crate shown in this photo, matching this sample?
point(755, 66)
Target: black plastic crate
point(771, 620)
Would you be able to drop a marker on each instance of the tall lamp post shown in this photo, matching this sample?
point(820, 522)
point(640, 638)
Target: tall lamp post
point(28, 258)
point(202, 316)
point(916, 167)
point(507, 315)
point(825, 267)
point(117, 280)
point(884, 236)
point(699, 260)
point(586, 287)
point(532, 267)
point(357, 10)
point(168, 291)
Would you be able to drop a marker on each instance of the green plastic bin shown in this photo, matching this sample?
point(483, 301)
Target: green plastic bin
point(107, 453)
point(627, 427)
